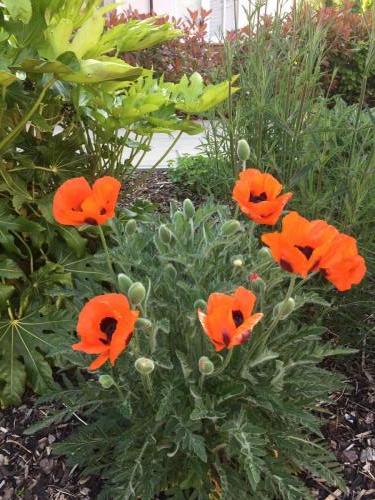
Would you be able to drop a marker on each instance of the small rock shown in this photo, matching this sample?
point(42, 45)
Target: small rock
point(368, 455)
point(351, 456)
point(46, 464)
point(4, 460)
point(369, 418)
point(51, 438)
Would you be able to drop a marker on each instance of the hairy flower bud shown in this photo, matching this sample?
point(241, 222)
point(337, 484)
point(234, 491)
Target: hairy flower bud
point(189, 209)
point(144, 323)
point(206, 367)
point(230, 227)
point(243, 150)
point(144, 366)
point(256, 283)
point(264, 253)
point(136, 293)
point(130, 227)
point(106, 381)
point(165, 234)
point(124, 282)
point(283, 309)
point(170, 271)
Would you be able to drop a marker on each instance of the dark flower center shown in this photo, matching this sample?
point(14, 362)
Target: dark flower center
point(103, 211)
point(254, 198)
point(91, 221)
point(108, 326)
point(237, 318)
point(284, 264)
point(307, 251)
point(226, 338)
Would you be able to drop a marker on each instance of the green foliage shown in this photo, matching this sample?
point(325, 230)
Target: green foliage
point(247, 427)
point(202, 175)
point(68, 107)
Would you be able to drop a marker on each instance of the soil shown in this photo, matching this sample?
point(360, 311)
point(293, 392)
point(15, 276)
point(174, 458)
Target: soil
point(29, 470)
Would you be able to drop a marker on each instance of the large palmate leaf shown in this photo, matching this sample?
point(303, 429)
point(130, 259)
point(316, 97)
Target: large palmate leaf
point(23, 344)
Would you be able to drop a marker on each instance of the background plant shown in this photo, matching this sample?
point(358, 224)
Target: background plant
point(247, 427)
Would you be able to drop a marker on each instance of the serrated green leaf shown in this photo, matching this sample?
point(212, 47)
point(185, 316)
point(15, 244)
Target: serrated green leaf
point(19, 9)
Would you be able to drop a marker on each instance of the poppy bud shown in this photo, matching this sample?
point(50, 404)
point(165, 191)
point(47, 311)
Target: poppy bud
point(230, 227)
point(243, 150)
point(144, 366)
point(283, 309)
point(165, 234)
point(206, 366)
point(178, 217)
point(238, 262)
point(136, 293)
point(170, 271)
point(189, 209)
point(264, 253)
point(200, 304)
point(130, 227)
point(144, 323)
point(257, 284)
point(106, 381)
point(124, 283)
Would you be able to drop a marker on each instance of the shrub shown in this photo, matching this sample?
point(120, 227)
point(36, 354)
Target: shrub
point(202, 175)
point(191, 52)
point(64, 101)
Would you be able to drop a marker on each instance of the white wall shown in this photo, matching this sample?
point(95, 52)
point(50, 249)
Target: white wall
point(175, 8)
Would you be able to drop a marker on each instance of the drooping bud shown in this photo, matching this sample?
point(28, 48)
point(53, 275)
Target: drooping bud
point(283, 309)
point(124, 283)
point(130, 227)
point(200, 304)
point(256, 283)
point(170, 271)
point(165, 234)
point(238, 262)
point(243, 150)
point(230, 227)
point(144, 366)
point(136, 293)
point(189, 209)
point(206, 366)
point(144, 323)
point(106, 381)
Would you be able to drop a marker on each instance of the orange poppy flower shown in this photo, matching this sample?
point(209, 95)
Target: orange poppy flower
point(257, 195)
point(301, 244)
point(229, 319)
point(341, 264)
point(76, 203)
point(105, 327)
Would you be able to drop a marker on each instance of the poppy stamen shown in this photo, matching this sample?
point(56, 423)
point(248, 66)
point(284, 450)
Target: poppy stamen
point(257, 198)
point(108, 326)
point(238, 318)
point(307, 251)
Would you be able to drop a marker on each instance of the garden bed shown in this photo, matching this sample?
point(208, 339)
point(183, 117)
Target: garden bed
point(29, 470)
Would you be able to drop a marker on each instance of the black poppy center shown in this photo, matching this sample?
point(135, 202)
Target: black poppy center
point(255, 198)
point(226, 338)
point(307, 251)
point(103, 211)
point(237, 318)
point(284, 264)
point(91, 221)
point(108, 326)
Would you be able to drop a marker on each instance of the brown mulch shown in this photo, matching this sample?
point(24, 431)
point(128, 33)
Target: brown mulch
point(29, 471)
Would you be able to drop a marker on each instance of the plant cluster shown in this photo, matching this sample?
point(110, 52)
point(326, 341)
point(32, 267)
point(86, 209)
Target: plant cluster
point(212, 382)
point(68, 107)
point(191, 52)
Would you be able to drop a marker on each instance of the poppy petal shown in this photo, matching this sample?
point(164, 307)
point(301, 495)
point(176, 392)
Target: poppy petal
point(99, 361)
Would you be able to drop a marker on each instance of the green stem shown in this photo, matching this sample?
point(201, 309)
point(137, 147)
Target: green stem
point(17, 130)
point(106, 251)
point(227, 359)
